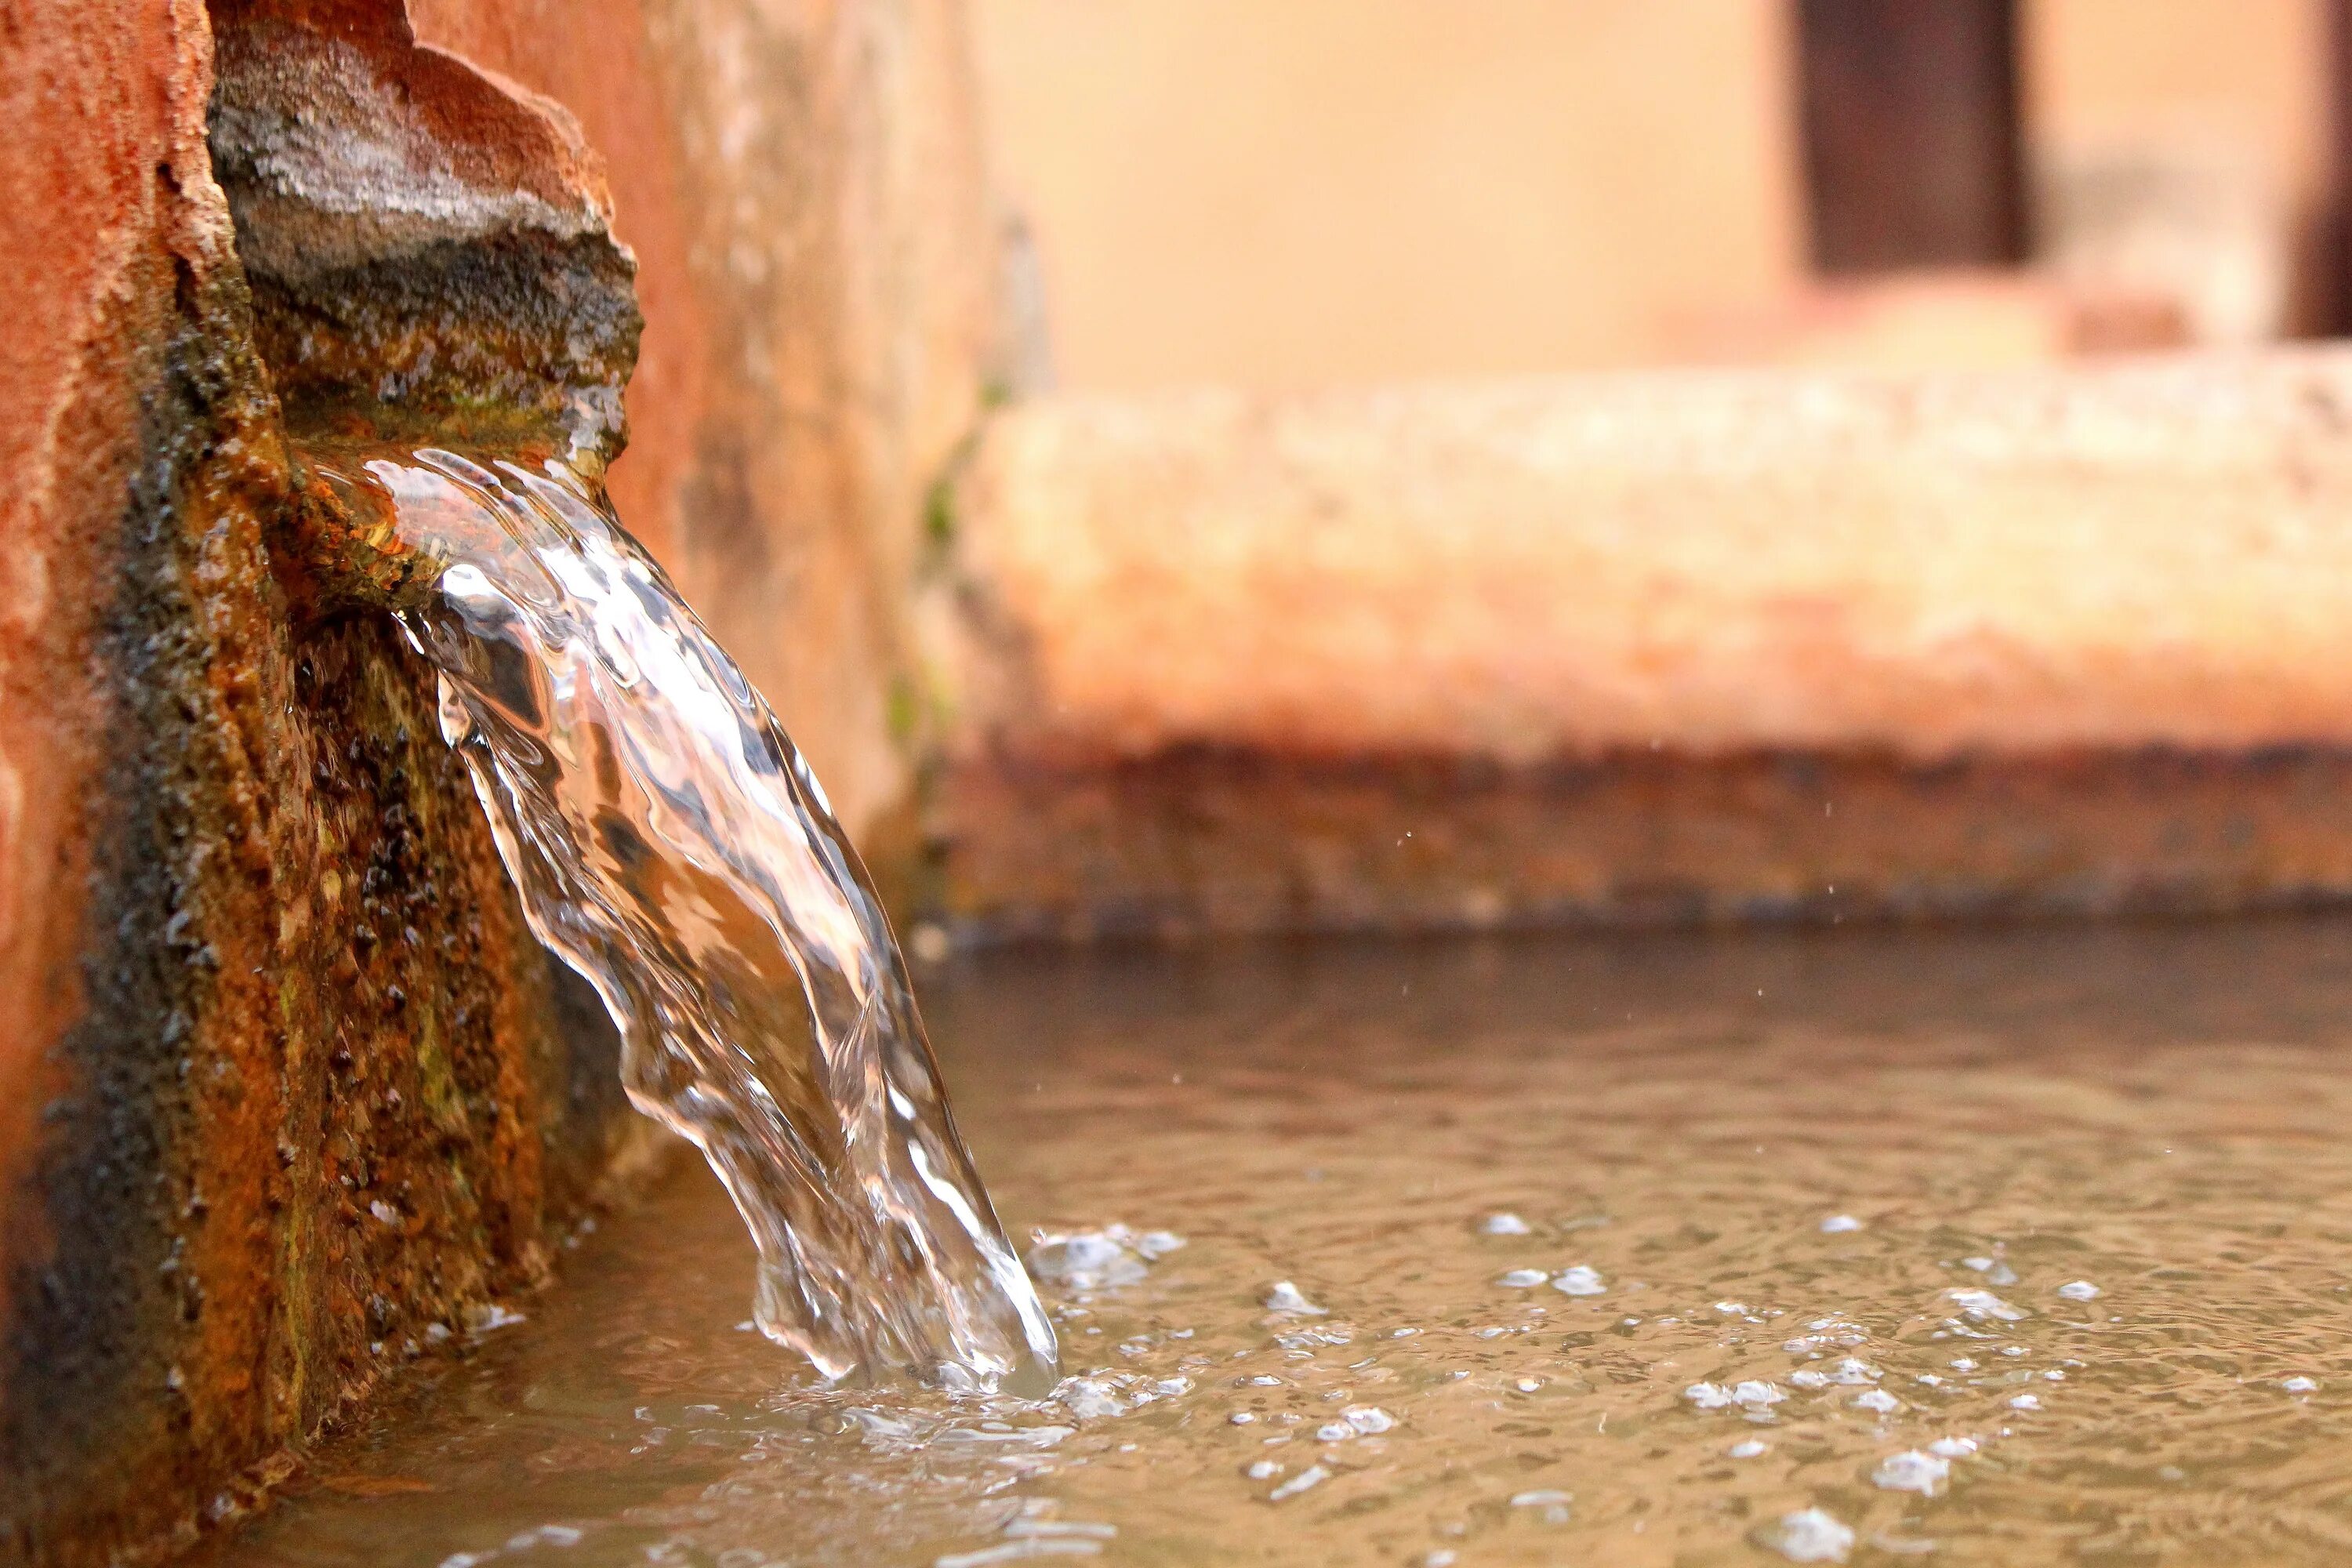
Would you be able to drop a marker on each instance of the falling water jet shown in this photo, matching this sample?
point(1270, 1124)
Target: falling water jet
point(671, 843)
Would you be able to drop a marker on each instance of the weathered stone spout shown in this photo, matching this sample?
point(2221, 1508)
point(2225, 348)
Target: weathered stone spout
point(284, 1081)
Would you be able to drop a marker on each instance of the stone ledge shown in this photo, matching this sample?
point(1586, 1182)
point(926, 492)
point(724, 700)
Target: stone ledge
point(1574, 633)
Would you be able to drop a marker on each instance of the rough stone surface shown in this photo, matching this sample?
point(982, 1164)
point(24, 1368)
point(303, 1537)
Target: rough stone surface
point(283, 1080)
point(803, 189)
point(287, 1079)
point(1968, 596)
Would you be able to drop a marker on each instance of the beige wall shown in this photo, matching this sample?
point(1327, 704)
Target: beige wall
point(1291, 192)
point(1294, 192)
point(2247, 69)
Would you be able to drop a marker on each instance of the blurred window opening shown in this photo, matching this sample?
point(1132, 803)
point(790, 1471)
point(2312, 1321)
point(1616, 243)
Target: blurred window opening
point(1914, 154)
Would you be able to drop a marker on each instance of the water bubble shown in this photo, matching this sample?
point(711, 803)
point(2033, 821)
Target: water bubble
point(2300, 1385)
point(1242, 1417)
point(1156, 1244)
point(1016, 1551)
point(1311, 1476)
point(1580, 1280)
point(1745, 1448)
point(1085, 1261)
point(544, 1535)
point(488, 1317)
point(1282, 1296)
point(1523, 1278)
point(1911, 1472)
point(1334, 1432)
point(1879, 1400)
point(1708, 1395)
point(1953, 1448)
point(1982, 1304)
point(1262, 1470)
point(2026, 1402)
point(1049, 1528)
point(1995, 1272)
point(2080, 1290)
point(1839, 1224)
point(1368, 1419)
point(1809, 1535)
point(1755, 1394)
point(1087, 1398)
point(1506, 1224)
point(1854, 1372)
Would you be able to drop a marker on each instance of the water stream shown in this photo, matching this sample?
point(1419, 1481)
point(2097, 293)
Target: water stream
point(671, 843)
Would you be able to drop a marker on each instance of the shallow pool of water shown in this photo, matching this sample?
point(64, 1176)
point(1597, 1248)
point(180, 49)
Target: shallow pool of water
point(2021, 1246)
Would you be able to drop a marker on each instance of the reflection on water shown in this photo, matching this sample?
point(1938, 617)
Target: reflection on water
point(2018, 1247)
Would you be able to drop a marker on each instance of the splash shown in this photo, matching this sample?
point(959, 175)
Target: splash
point(671, 844)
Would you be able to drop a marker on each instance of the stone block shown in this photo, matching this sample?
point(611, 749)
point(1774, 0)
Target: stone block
point(1614, 648)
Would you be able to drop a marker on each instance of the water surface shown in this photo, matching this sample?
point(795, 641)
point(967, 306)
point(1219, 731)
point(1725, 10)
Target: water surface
point(1973, 1248)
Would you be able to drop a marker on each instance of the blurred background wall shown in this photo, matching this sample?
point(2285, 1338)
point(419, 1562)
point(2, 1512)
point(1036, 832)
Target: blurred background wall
point(1325, 191)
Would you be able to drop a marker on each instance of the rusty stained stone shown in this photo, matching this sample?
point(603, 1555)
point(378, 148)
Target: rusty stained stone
point(259, 970)
point(1200, 843)
point(300, 1082)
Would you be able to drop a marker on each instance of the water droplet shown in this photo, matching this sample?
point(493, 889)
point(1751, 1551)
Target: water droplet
point(2080, 1290)
point(1839, 1224)
point(1506, 1224)
point(1747, 1448)
point(1523, 1278)
point(2300, 1385)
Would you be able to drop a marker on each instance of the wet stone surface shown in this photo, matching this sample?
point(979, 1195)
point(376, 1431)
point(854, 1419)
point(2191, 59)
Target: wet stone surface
point(1975, 1248)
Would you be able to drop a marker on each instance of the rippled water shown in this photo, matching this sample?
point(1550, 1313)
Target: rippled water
point(2015, 1248)
point(671, 844)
